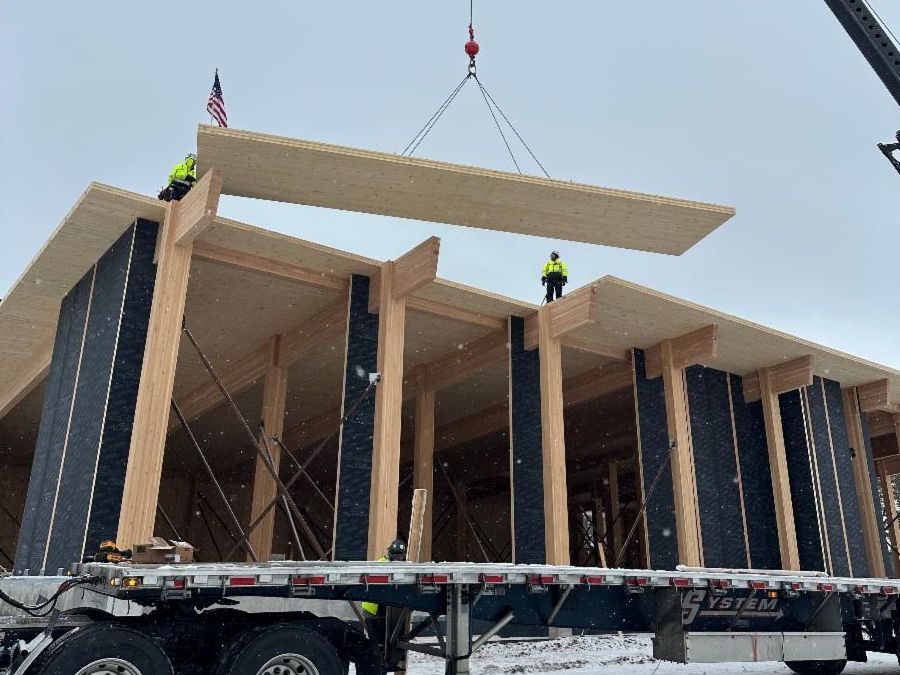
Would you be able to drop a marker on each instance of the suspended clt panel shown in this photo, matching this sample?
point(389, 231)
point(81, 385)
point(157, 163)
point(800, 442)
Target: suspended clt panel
point(316, 174)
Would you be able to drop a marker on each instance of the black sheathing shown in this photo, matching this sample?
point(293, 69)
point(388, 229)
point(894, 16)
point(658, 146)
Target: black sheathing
point(756, 477)
point(653, 432)
point(526, 460)
point(103, 519)
point(830, 500)
point(806, 521)
point(53, 428)
point(846, 482)
point(76, 478)
point(351, 521)
point(876, 498)
point(718, 486)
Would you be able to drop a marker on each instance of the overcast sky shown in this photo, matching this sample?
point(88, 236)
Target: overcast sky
point(764, 105)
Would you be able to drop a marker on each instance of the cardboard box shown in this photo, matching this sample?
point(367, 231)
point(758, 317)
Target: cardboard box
point(158, 551)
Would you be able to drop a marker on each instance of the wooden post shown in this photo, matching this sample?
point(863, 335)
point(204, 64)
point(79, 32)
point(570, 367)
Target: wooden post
point(264, 488)
point(781, 489)
point(684, 486)
point(423, 477)
point(871, 518)
point(890, 507)
point(148, 437)
point(416, 526)
point(556, 534)
point(184, 221)
point(388, 404)
point(615, 537)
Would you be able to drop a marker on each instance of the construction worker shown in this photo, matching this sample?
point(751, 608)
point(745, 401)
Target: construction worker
point(181, 179)
point(376, 622)
point(554, 276)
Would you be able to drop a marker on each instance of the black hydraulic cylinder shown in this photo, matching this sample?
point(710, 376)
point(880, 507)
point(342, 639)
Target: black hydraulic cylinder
point(872, 40)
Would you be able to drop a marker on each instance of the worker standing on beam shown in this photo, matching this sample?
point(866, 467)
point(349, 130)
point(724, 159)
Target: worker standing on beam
point(554, 276)
point(181, 179)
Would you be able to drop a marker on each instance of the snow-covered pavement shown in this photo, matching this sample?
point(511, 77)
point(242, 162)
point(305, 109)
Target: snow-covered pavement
point(607, 654)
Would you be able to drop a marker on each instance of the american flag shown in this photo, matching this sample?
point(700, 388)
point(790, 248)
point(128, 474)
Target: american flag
point(215, 106)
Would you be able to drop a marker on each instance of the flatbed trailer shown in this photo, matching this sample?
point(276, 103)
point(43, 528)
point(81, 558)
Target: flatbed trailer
point(188, 622)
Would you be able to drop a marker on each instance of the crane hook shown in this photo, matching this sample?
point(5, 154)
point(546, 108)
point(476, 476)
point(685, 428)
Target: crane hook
point(472, 49)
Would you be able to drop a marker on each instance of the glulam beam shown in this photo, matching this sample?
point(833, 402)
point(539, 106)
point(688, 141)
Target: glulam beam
point(699, 346)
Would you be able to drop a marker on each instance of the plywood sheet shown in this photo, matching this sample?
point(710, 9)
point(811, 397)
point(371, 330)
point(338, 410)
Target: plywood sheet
point(304, 172)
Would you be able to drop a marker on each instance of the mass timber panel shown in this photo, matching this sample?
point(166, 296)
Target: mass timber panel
point(784, 377)
point(411, 271)
point(781, 486)
point(878, 396)
point(316, 174)
point(697, 347)
point(197, 209)
point(866, 500)
point(388, 405)
point(351, 514)
point(687, 515)
point(30, 310)
point(324, 326)
point(881, 423)
point(27, 379)
point(460, 364)
point(525, 460)
point(148, 438)
point(268, 266)
point(78, 470)
point(414, 304)
point(423, 466)
point(264, 488)
point(630, 315)
point(556, 510)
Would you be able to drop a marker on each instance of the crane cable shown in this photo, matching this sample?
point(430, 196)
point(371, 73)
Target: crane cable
point(472, 48)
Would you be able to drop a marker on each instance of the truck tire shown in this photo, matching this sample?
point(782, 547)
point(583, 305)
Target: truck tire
point(282, 649)
point(817, 667)
point(103, 649)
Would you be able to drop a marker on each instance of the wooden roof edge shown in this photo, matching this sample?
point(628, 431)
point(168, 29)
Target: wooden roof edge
point(275, 139)
point(714, 315)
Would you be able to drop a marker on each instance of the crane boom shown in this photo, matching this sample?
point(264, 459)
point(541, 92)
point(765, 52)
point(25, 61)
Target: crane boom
point(872, 40)
point(875, 43)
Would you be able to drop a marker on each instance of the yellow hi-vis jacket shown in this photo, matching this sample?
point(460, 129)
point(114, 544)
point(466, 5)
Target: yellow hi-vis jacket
point(372, 607)
point(557, 266)
point(186, 168)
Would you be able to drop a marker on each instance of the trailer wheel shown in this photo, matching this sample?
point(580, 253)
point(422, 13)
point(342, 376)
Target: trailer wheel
point(103, 649)
point(283, 649)
point(817, 667)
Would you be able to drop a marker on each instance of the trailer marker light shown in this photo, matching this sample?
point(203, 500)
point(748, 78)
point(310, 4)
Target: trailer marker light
point(375, 579)
point(542, 579)
point(178, 583)
point(434, 579)
point(308, 581)
point(593, 581)
point(131, 582)
point(637, 581)
point(888, 590)
point(681, 583)
point(772, 595)
point(757, 585)
point(827, 588)
point(242, 581)
point(492, 578)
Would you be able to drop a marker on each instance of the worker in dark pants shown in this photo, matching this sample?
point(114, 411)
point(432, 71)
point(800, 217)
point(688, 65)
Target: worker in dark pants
point(554, 276)
point(376, 620)
point(181, 179)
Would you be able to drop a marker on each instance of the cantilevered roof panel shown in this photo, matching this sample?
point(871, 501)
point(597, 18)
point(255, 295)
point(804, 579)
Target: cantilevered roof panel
point(629, 315)
point(315, 174)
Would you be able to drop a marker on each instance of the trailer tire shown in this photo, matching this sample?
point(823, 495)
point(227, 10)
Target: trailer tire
point(817, 667)
point(287, 649)
point(103, 648)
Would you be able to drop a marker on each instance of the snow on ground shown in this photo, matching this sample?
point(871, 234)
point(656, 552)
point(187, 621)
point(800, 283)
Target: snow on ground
point(607, 654)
